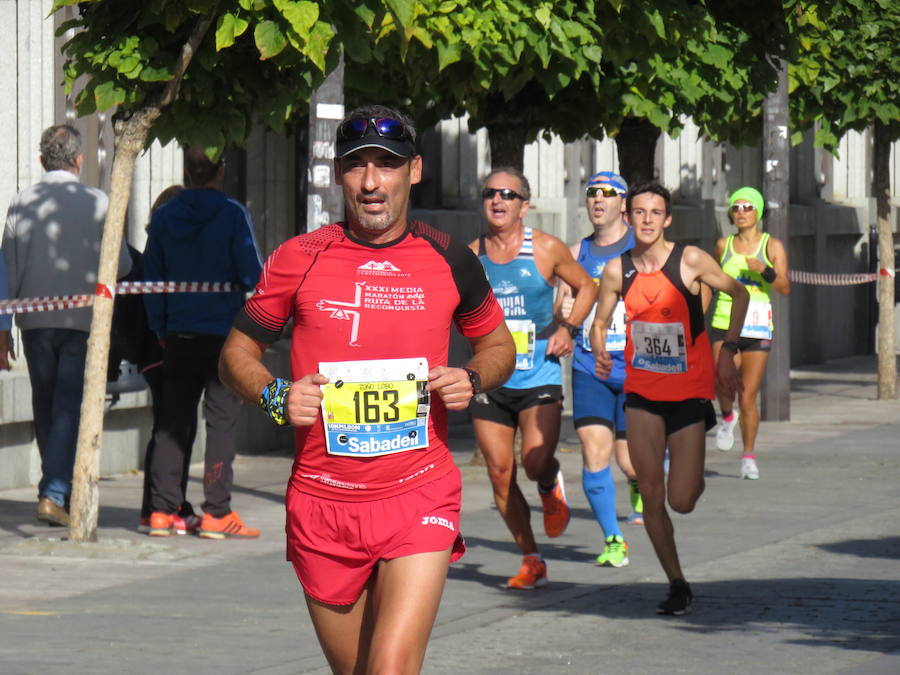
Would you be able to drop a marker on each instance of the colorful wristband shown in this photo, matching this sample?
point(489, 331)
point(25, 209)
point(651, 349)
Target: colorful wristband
point(273, 399)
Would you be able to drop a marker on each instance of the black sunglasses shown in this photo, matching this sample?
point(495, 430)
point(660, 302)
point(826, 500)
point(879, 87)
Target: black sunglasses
point(605, 191)
point(386, 127)
point(505, 194)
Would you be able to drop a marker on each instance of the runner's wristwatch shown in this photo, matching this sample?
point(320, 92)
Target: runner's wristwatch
point(474, 380)
point(569, 327)
point(730, 346)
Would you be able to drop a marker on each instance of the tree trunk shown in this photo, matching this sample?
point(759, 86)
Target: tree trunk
point(636, 147)
point(130, 136)
point(776, 388)
point(887, 359)
point(507, 143)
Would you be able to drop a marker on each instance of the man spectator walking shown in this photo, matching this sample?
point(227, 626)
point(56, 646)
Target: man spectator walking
point(51, 246)
point(200, 235)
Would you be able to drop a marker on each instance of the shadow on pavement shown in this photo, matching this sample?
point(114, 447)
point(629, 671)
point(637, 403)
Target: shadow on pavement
point(888, 547)
point(853, 614)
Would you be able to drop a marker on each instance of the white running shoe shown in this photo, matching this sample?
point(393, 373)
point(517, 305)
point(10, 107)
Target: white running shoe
point(749, 470)
point(725, 432)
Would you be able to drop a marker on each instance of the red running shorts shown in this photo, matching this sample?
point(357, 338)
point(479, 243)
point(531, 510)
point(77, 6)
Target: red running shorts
point(334, 546)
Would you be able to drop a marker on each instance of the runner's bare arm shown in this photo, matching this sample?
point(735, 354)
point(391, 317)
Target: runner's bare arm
point(241, 369)
point(240, 365)
point(494, 359)
point(564, 267)
point(706, 294)
point(562, 307)
point(698, 267)
point(569, 271)
point(609, 292)
point(779, 257)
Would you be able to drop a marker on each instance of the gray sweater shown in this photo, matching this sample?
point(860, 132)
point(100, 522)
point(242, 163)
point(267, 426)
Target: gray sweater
point(51, 244)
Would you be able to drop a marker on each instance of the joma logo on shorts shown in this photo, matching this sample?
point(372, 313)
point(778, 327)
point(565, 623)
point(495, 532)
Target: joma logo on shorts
point(435, 520)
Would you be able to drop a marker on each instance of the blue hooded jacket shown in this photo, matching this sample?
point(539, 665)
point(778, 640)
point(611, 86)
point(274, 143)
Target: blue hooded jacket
point(200, 235)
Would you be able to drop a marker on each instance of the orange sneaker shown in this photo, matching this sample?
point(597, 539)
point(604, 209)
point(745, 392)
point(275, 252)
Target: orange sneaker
point(532, 574)
point(556, 510)
point(180, 525)
point(161, 524)
point(229, 525)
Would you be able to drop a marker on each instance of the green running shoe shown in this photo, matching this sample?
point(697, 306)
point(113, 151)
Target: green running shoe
point(615, 554)
point(637, 504)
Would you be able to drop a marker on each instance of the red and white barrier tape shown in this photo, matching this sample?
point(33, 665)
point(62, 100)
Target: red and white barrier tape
point(56, 302)
point(817, 279)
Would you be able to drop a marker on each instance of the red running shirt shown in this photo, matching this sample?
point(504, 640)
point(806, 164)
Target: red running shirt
point(353, 301)
point(667, 352)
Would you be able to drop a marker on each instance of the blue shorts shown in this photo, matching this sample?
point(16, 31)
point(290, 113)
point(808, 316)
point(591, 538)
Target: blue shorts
point(595, 401)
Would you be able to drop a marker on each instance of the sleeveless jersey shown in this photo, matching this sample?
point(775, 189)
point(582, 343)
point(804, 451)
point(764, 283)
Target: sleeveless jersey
point(527, 302)
point(593, 259)
point(758, 323)
point(353, 303)
point(667, 354)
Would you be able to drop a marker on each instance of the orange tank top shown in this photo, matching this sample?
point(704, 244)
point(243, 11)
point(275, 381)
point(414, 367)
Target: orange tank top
point(667, 353)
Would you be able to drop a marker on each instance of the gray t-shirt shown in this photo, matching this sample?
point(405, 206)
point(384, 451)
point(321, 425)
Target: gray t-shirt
point(51, 244)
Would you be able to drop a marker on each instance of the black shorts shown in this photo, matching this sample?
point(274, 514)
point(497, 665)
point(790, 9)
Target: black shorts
point(503, 405)
point(744, 344)
point(676, 414)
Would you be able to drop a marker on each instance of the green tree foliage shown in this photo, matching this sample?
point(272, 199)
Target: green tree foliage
point(846, 75)
point(260, 62)
point(574, 68)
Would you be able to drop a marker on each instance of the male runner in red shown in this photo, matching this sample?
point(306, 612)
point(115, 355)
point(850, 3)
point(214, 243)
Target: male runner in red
point(374, 499)
point(670, 377)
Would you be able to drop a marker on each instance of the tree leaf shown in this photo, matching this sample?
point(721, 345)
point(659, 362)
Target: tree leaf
point(228, 27)
point(270, 40)
point(108, 95)
point(301, 15)
point(402, 10)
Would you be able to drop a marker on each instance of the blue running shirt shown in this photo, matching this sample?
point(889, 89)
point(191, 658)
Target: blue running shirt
point(527, 302)
point(593, 259)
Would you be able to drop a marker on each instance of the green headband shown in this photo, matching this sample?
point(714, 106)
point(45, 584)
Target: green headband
point(751, 195)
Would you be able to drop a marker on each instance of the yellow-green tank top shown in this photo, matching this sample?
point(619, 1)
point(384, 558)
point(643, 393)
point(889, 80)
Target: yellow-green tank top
point(734, 264)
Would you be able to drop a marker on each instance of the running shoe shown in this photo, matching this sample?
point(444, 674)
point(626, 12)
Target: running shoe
point(749, 470)
point(229, 525)
point(180, 524)
point(725, 432)
point(679, 600)
point(532, 574)
point(556, 510)
point(161, 524)
point(615, 553)
point(636, 517)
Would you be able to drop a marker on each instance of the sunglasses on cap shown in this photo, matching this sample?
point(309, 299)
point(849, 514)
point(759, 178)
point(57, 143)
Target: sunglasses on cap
point(505, 194)
point(386, 127)
point(737, 208)
point(605, 191)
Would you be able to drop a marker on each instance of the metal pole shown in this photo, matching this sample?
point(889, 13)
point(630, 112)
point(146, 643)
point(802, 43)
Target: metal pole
point(324, 203)
point(776, 389)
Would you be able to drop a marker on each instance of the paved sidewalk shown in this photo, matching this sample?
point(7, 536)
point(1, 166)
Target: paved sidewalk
point(798, 572)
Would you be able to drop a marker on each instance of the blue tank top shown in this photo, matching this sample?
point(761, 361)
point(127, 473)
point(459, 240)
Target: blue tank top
point(527, 302)
point(593, 259)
